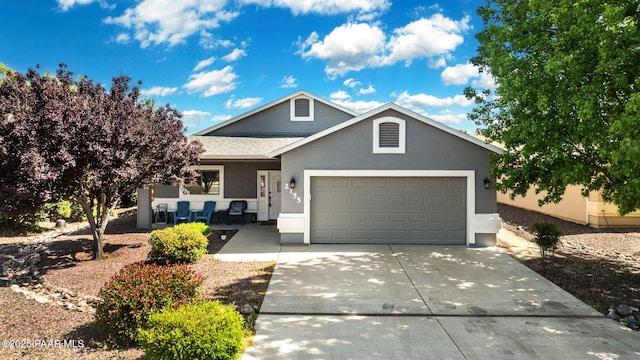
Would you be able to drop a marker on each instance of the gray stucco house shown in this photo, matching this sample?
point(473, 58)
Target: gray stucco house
point(329, 175)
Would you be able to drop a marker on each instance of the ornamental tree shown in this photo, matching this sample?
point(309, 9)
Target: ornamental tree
point(566, 107)
point(69, 136)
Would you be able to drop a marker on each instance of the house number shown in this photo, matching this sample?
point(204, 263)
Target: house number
point(294, 195)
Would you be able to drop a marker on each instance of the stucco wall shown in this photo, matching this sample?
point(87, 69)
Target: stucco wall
point(275, 121)
point(427, 148)
point(592, 211)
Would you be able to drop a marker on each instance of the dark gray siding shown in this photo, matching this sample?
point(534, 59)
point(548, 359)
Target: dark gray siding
point(241, 179)
point(275, 121)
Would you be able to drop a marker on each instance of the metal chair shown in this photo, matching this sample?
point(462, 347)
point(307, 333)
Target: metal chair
point(236, 210)
point(182, 213)
point(162, 209)
point(206, 213)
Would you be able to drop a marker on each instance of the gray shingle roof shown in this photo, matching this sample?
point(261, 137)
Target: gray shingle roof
point(226, 147)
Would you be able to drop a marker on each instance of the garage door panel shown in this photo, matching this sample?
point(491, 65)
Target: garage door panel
point(414, 210)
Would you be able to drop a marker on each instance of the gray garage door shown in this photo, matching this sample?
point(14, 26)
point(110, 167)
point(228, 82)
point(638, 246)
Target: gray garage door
point(406, 210)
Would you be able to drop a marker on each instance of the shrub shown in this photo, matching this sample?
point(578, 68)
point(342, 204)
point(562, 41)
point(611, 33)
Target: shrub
point(202, 228)
point(200, 331)
point(137, 291)
point(178, 244)
point(547, 237)
point(63, 209)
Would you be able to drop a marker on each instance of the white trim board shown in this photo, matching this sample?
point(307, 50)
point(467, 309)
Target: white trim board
point(470, 175)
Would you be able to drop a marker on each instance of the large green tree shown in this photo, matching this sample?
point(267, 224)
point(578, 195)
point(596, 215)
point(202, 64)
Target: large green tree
point(71, 137)
point(566, 107)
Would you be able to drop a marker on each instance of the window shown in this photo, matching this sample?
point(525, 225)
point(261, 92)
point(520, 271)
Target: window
point(208, 181)
point(389, 135)
point(301, 109)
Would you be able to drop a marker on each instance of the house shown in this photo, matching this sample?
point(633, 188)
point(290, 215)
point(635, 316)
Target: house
point(574, 207)
point(329, 175)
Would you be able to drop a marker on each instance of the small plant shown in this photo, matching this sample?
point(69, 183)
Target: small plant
point(203, 228)
point(181, 243)
point(139, 290)
point(208, 330)
point(547, 237)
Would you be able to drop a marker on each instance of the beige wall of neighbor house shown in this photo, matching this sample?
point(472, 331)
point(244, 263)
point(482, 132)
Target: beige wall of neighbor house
point(592, 211)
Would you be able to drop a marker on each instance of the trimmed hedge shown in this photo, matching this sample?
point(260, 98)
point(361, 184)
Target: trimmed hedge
point(139, 290)
point(199, 331)
point(181, 243)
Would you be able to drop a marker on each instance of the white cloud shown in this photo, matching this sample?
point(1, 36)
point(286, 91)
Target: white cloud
point(437, 63)
point(242, 103)
point(155, 22)
point(460, 74)
point(425, 100)
point(339, 95)
point(351, 83)
point(209, 42)
point(123, 38)
point(359, 106)
point(355, 46)
point(448, 118)
point(192, 116)
point(68, 4)
point(212, 82)
point(430, 37)
point(349, 47)
point(367, 91)
point(234, 55)
point(159, 91)
point(204, 63)
point(289, 82)
point(325, 7)
point(221, 117)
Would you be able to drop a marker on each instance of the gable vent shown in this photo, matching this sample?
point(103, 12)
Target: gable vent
point(389, 135)
point(302, 108)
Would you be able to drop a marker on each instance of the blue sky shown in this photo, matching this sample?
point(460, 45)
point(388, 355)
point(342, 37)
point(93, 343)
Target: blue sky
point(215, 59)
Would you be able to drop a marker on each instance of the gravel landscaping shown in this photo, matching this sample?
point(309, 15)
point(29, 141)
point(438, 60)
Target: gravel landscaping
point(31, 328)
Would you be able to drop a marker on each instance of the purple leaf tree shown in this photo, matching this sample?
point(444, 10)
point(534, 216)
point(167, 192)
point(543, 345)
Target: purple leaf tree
point(72, 137)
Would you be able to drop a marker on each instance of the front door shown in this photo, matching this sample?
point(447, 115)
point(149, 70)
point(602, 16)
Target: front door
point(269, 194)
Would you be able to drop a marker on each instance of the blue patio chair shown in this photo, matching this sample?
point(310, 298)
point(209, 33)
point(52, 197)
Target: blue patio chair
point(236, 211)
point(182, 213)
point(206, 213)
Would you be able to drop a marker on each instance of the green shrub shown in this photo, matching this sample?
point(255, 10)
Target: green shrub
point(200, 331)
point(181, 243)
point(202, 228)
point(547, 237)
point(63, 209)
point(139, 290)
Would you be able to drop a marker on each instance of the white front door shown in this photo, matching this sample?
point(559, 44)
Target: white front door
point(269, 195)
point(275, 193)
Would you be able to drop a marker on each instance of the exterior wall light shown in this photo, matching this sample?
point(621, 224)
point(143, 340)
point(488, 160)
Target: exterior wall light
point(487, 183)
point(292, 183)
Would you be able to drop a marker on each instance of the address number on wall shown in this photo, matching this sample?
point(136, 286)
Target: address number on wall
point(294, 195)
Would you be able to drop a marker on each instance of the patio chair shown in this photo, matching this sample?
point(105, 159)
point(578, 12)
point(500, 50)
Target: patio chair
point(182, 213)
point(206, 213)
point(236, 210)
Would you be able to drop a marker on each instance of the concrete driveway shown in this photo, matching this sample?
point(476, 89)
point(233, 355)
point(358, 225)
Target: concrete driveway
point(425, 302)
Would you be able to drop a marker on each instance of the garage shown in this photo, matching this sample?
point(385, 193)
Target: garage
point(388, 209)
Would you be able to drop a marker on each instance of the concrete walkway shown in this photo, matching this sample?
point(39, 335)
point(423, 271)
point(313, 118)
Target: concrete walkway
point(418, 302)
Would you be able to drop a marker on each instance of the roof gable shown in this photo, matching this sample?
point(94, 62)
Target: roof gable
point(369, 114)
point(213, 129)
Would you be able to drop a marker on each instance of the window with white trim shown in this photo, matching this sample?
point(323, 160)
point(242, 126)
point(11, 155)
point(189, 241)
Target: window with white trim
point(208, 181)
point(389, 136)
point(301, 109)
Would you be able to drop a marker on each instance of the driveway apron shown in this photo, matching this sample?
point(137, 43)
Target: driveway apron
point(425, 302)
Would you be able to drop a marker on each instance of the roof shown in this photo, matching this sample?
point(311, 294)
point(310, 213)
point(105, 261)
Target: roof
point(379, 110)
point(271, 104)
point(238, 148)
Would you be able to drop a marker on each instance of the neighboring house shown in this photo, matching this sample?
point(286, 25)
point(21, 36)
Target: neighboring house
point(592, 210)
point(329, 175)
